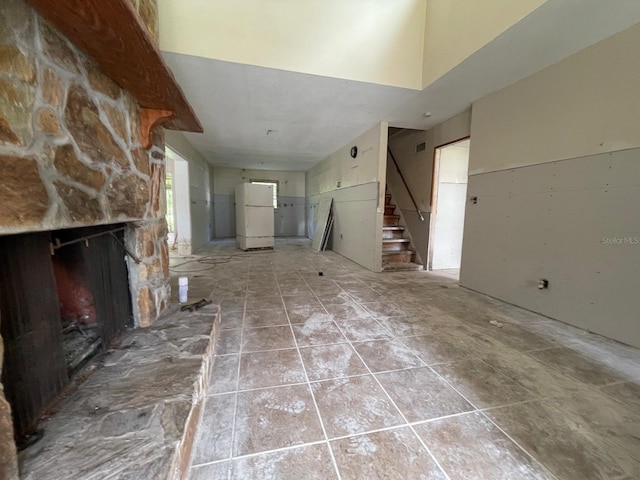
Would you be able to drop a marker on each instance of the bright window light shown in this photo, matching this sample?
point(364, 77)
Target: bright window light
point(274, 184)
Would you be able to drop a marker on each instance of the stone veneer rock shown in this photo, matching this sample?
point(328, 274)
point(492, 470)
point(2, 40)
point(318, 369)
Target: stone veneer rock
point(70, 151)
point(71, 156)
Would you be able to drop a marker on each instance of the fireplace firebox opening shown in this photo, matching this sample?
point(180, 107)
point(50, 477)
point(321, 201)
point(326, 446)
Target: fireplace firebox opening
point(64, 298)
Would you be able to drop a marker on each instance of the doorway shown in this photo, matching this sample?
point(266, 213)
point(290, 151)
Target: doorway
point(449, 193)
point(178, 203)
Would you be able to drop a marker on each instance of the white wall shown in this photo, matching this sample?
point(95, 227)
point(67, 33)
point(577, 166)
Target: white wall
point(197, 191)
point(290, 184)
point(448, 215)
point(289, 217)
point(417, 169)
point(367, 40)
point(359, 198)
point(554, 164)
point(182, 202)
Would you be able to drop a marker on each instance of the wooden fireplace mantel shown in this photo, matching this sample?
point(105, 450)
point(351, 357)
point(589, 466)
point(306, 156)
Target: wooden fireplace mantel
point(112, 33)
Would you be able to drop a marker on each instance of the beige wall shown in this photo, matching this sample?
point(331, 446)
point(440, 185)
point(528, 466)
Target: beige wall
point(291, 184)
point(456, 29)
point(586, 104)
point(358, 201)
point(341, 167)
point(178, 142)
point(554, 166)
point(366, 40)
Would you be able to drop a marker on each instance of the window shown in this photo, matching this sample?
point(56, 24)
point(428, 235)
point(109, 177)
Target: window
point(274, 184)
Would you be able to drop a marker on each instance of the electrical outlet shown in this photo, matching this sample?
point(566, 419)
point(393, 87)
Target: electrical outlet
point(338, 184)
point(543, 284)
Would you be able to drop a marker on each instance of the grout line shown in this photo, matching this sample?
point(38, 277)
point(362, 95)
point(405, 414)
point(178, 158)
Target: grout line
point(304, 369)
point(554, 367)
point(343, 437)
point(258, 389)
point(482, 412)
point(263, 452)
point(543, 466)
point(351, 275)
point(235, 403)
point(272, 350)
point(320, 380)
point(394, 403)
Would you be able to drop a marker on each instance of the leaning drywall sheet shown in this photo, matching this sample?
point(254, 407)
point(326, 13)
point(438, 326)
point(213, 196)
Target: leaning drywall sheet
point(322, 218)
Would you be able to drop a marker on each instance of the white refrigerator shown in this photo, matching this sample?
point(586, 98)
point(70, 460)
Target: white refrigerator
point(254, 216)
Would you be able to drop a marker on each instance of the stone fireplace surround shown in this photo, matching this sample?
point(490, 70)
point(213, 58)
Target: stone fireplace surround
point(71, 156)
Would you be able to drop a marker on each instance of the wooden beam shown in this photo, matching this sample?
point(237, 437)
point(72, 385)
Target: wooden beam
point(112, 33)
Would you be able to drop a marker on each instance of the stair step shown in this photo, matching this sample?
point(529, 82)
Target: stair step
point(387, 198)
point(389, 234)
point(391, 220)
point(389, 209)
point(401, 267)
point(403, 256)
point(394, 247)
point(395, 244)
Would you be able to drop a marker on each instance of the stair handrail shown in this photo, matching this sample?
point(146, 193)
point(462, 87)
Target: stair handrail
point(405, 184)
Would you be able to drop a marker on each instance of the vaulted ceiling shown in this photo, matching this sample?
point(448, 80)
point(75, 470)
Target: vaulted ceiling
point(258, 117)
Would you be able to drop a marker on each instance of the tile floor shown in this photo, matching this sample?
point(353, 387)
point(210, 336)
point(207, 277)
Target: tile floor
point(356, 375)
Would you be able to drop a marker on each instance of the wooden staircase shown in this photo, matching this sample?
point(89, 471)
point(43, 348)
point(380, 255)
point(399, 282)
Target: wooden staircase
point(397, 254)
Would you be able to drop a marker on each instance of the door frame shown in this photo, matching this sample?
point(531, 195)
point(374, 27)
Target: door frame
point(434, 196)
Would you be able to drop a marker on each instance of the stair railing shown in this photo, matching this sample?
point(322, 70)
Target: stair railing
point(405, 185)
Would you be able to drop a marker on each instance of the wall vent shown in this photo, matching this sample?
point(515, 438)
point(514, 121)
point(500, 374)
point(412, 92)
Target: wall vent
point(421, 147)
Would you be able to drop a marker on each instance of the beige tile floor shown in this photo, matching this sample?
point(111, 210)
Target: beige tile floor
point(356, 375)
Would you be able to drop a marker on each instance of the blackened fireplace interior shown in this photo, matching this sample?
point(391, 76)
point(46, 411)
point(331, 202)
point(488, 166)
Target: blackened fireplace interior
point(64, 297)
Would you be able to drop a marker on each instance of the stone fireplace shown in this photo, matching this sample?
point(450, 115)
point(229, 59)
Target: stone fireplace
point(64, 298)
point(72, 165)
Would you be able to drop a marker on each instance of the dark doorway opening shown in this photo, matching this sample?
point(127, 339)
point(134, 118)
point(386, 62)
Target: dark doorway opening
point(64, 298)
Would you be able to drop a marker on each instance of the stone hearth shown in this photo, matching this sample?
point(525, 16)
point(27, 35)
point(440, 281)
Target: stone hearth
point(135, 416)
